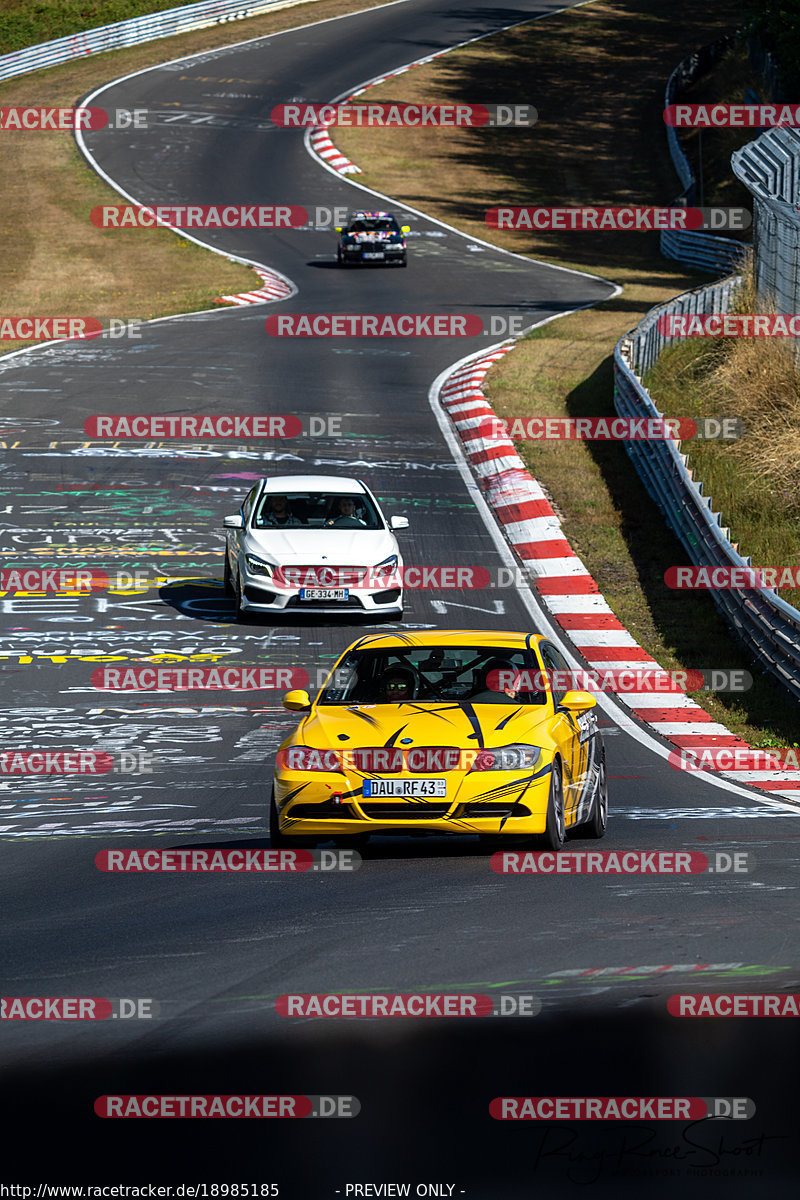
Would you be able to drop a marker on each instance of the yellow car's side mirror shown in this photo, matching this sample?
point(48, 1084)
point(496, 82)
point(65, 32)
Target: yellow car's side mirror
point(578, 702)
point(297, 701)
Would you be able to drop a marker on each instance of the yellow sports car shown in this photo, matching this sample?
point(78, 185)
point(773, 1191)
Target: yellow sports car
point(442, 732)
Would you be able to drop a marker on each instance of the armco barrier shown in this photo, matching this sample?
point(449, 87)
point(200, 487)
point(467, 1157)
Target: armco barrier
point(769, 168)
point(768, 626)
point(133, 32)
point(706, 251)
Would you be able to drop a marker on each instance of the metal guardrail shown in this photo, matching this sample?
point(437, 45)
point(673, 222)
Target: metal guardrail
point(768, 626)
point(769, 168)
point(706, 251)
point(133, 32)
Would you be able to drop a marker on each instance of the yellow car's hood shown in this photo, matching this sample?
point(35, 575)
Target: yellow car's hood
point(437, 724)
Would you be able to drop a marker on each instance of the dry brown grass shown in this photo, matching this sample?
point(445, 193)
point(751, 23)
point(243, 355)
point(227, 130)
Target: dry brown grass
point(757, 379)
point(54, 262)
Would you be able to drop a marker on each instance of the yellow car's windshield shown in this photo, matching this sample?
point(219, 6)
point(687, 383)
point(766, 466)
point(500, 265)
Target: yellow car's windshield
point(461, 674)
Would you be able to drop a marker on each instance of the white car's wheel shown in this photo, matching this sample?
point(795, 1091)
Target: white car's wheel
point(227, 580)
point(238, 610)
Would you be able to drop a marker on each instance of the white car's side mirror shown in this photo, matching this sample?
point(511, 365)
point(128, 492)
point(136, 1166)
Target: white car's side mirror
point(398, 522)
point(234, 522)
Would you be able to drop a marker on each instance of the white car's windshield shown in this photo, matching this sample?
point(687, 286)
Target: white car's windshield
point(316, 510)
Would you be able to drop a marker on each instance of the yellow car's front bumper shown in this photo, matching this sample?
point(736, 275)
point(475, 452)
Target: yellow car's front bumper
point(321, 804)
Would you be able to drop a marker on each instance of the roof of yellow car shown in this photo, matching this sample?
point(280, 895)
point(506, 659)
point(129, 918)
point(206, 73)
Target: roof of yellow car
point(448, 637)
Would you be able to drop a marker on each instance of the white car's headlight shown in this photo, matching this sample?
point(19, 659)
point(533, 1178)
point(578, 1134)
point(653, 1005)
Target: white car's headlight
point(507, 758)
point(385, 570)
point(257, 567)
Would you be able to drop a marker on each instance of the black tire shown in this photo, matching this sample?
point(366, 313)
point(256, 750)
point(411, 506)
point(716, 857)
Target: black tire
point(555, 833)
point(282, 841)
point(227, 579)
point(595, 827)
point(240, 613)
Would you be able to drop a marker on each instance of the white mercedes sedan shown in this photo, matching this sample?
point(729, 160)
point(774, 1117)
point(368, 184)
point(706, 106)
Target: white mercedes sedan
point(313, 543)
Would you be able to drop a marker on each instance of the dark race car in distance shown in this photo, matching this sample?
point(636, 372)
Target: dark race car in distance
point(372, 237)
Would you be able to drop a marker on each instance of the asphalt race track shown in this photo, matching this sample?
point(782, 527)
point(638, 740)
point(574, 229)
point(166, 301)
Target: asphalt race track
point(601, 953)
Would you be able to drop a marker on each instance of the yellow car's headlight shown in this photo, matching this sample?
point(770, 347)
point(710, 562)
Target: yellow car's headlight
point(507, 758)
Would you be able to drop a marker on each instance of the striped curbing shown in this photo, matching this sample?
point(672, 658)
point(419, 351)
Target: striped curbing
point(276, 287)
point(565, 587)
point(324, 148)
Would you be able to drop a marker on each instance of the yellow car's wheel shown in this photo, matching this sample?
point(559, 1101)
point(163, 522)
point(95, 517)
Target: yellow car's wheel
point(595, 827)
point(555, 833)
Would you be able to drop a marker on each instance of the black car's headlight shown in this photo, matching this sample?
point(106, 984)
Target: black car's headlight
point(257, 566)
point(507, 758)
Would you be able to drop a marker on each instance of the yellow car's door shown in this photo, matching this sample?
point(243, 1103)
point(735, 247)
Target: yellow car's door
point(567, 732)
